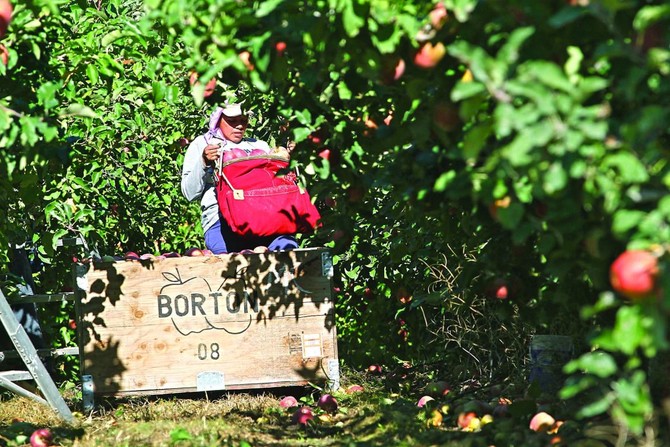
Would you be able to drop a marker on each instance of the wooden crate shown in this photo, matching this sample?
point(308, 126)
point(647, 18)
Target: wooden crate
point(208, 323)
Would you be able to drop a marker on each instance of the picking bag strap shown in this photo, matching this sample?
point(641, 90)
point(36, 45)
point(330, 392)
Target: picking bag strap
point(238, 194)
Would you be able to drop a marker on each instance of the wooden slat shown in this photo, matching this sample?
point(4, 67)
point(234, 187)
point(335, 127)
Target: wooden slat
point(229, 321)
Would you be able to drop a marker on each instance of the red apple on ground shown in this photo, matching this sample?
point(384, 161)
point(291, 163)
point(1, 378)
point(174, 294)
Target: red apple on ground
point(435, 419)
point(288, 402)
point(541, 421)
point(42, 437)
point(354, 389)
point(327, 403)
point(6, 10)
point(429, 55)
point(303, 415)
point(633, 274)
point(465, 419)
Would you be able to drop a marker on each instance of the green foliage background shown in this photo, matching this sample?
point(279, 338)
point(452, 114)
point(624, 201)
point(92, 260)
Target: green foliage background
point(557, 109)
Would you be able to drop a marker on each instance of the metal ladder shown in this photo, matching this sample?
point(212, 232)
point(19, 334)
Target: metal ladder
point(36, 370)
point(29, 355)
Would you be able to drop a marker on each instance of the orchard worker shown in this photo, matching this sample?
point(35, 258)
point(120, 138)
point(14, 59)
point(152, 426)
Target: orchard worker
point(227, 126)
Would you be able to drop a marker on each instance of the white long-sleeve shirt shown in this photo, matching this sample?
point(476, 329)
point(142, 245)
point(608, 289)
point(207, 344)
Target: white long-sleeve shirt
point(197, 179)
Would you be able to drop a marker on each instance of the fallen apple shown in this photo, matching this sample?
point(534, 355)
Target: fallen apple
point(303, 415)
point(288, 402)
point(327, 403)
point(42, 437)
point(354, 389)
point(541, 421)
point(465, 419)
point(633, 274)
point(435, 419)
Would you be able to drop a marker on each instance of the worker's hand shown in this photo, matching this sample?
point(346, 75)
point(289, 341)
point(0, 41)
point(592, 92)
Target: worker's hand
point(211, 153)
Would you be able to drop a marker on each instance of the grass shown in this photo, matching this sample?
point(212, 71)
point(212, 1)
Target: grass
point(384, 414)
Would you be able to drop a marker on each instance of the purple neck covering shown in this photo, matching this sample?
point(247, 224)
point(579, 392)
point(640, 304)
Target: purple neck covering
point(214, 130)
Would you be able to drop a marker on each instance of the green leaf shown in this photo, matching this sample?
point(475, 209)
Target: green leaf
point(266, 7)
point(92, 73)
point(555, 179)
point(110, 37)
point(77, 109)
point(625, 220)
point(351, 21)
point(509, 52)
point(464, 90)
point(444, 180)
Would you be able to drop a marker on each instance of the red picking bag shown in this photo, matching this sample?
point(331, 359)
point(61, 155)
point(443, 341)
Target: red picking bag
point(258, 196)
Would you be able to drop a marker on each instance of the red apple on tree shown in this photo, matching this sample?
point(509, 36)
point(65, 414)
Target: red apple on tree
point(280, 47)
point(438, 16)
point(499, 288)
point(429, 55)
point(633, 274)
point(4, 55)
point(5, 16)
point(209, 87)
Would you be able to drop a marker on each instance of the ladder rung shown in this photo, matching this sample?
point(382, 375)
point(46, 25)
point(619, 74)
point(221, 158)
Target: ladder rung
point(14, 376)
point(12, 354)
point(43, 298)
